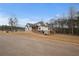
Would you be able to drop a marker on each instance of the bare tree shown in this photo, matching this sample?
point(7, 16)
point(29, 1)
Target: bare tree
point(71, 19)
point(10, 22)
point(13, 22)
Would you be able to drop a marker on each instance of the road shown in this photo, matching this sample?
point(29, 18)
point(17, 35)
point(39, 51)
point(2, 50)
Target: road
point(15, 45)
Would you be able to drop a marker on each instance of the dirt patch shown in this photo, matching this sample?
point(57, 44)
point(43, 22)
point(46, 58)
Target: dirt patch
point(30, 43)
point(60, 37)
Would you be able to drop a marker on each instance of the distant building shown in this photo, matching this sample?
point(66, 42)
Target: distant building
point(28, 27)
point(43, 27)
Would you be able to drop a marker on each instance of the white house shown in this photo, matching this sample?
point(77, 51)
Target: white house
point(28, 27)
point(43, 28)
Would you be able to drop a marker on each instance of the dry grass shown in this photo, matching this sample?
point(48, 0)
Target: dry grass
point(60, 37)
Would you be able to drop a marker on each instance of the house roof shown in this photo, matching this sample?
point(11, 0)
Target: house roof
point(42, 24)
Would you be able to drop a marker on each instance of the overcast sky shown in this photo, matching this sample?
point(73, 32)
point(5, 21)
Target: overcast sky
point(32, 12)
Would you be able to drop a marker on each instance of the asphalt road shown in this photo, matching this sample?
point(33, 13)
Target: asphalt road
point(13, 45)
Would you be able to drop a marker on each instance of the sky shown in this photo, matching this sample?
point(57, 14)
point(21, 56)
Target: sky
point(33, 12)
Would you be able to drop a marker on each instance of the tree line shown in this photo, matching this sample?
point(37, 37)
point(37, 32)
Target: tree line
point(68, 25)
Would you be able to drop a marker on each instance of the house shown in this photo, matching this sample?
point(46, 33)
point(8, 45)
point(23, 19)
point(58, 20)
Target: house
point(28, 27)
point(43, 27)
